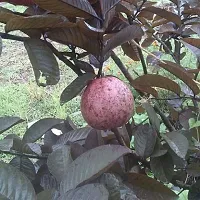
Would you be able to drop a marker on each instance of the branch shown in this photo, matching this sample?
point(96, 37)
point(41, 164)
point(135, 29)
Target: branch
point(130, 19)
point(169, 51)
point(121, 66)
point(118, 136)
point(184, 97)
point(12, 152)
point(164, 118)
point(64, 59)
point(54, 50)
point(13, 37)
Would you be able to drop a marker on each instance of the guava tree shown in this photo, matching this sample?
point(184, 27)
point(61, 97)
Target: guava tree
point(114, 157)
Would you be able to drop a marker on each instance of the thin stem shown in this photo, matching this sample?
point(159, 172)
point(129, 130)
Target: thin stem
point(139, 9)
point(166, 99)
point(12, 152)
point(54, 50)
point(130, 19)
point(64, 59)
point(13, 37)
point(169, 51)
point(122, 67)
point(164, 118)
point(118, 136)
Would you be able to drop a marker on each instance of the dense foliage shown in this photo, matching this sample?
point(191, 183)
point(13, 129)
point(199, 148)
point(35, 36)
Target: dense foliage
point(135, 161)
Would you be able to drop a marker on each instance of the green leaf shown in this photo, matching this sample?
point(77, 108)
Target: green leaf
point(75, 135)
point(38, 129)
point(74, 88)
point(147, 188)
point(24, 165)
point(14, 184)
point(43, 61)
point(177, 142)
point(193, 123)
point(162, 167)
point(8, 122)
point(152, 116)
point(145, 140)
point(62, 158)
point(91, 164)
point(94, 191)
point(6, 144)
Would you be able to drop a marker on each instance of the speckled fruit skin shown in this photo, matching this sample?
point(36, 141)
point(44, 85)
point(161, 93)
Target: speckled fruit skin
point(107, 103)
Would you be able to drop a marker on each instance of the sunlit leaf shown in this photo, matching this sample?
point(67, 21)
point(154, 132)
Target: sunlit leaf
point(39, 128)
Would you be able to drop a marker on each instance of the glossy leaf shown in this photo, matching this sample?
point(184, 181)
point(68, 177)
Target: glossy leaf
point(112, 183)
point(152, 115)
point(74, 88)
point(126, 34)
point(155, 80)
point(162, 167)
point(145, 140)
point(59, 161)
point(24, 165)
point(107, 5)
point(177, 142)
point(43, 61)
point(76, 37)
point(32, 148)
point(87, 192)
point(37, 21)
point(170, 16)
point(131, 51)
point(8, 122)
point(76, 173)
point(180, 73)
point(75, 135)
point(6, 144)
point(14, 184)
point(38, 129)
point(68, 8)
point(147, 188)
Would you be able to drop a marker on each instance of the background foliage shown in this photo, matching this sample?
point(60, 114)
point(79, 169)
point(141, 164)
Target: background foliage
point(156, 154)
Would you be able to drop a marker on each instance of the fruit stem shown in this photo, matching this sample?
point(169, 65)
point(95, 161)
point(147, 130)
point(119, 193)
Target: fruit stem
point(118, 136)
